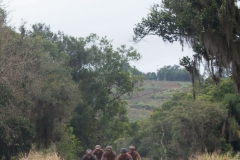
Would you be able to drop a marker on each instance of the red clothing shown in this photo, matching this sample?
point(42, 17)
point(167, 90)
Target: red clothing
point(135, 155)
point(123, 156)
point(85, 157)
point(109, 155)
point(98, 153)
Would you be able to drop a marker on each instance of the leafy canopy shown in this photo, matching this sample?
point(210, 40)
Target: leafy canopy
point(211, 28)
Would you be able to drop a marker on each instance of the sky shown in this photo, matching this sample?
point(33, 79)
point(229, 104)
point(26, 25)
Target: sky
point(114, 19)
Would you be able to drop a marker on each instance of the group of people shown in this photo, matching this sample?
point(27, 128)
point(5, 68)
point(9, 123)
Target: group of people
point(109, 154)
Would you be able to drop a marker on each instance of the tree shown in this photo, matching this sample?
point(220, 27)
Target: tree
point(191, 67)
point(103, 75)
point(151, 76)
point(227, 96)
point(181, 129)
point(210, 27)
point(173, 73)
point(103, 82)
point(19, 77)
point(37, 94)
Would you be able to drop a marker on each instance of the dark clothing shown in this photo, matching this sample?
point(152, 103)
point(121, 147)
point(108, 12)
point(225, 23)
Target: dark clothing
point(98, 153)
point(125, 156)
point(109, 155)
point(85, 157)
point(135, 155)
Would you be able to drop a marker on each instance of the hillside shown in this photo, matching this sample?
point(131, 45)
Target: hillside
point(154, 94)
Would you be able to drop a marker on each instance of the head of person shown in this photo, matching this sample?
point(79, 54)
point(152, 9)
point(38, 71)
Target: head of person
point(89, 153)
point(109, 148)
point(97, 147)
point(131, 148)
point(123, 151)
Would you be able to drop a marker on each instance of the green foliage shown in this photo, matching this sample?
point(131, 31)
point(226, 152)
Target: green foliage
point(150, 76)
point(16, 134)
point(211, 28)
point(68, 146)
point(59, 95)
point(6, 95)
point(62, 90)
point(103, 76)
point(168, 73)
point(173, 73)
point(186, 62)
point(143, 106)
point(103, 81)
point(37, 93)
point(183, 127)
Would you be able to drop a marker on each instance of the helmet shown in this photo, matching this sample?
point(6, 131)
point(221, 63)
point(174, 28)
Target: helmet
point(131, 147)
point(89, 151)
point(123, 150)
point(97, 147)
point(109, 147)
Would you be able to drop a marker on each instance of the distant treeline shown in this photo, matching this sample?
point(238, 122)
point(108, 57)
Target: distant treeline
point(168, 73)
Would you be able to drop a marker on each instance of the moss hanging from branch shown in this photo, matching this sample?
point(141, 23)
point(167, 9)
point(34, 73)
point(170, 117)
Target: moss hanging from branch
point(211, 28)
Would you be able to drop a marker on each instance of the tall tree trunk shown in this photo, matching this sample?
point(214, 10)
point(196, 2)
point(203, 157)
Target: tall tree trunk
point(193, 85)
point(223, 128)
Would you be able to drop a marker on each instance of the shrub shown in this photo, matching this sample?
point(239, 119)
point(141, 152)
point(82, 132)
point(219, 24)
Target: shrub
point(34, 155)
point(215, 156)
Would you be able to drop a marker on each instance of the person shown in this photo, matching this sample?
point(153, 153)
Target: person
point(109, 154)
point(89, 155)
point(124, 155)
point(133, 153)
point(98, 152)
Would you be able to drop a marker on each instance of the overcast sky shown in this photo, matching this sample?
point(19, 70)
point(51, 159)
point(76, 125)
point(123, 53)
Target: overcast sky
point(112, 18)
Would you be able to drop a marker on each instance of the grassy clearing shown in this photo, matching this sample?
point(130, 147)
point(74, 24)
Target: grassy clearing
point(135, 114)
point(34, 155)
point(155, 93)
point(215, 156)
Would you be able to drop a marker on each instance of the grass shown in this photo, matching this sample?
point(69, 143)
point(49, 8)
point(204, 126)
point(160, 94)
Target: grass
point(215, 156)
point(34, 155)
point(138, 114)
point(155, 93)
